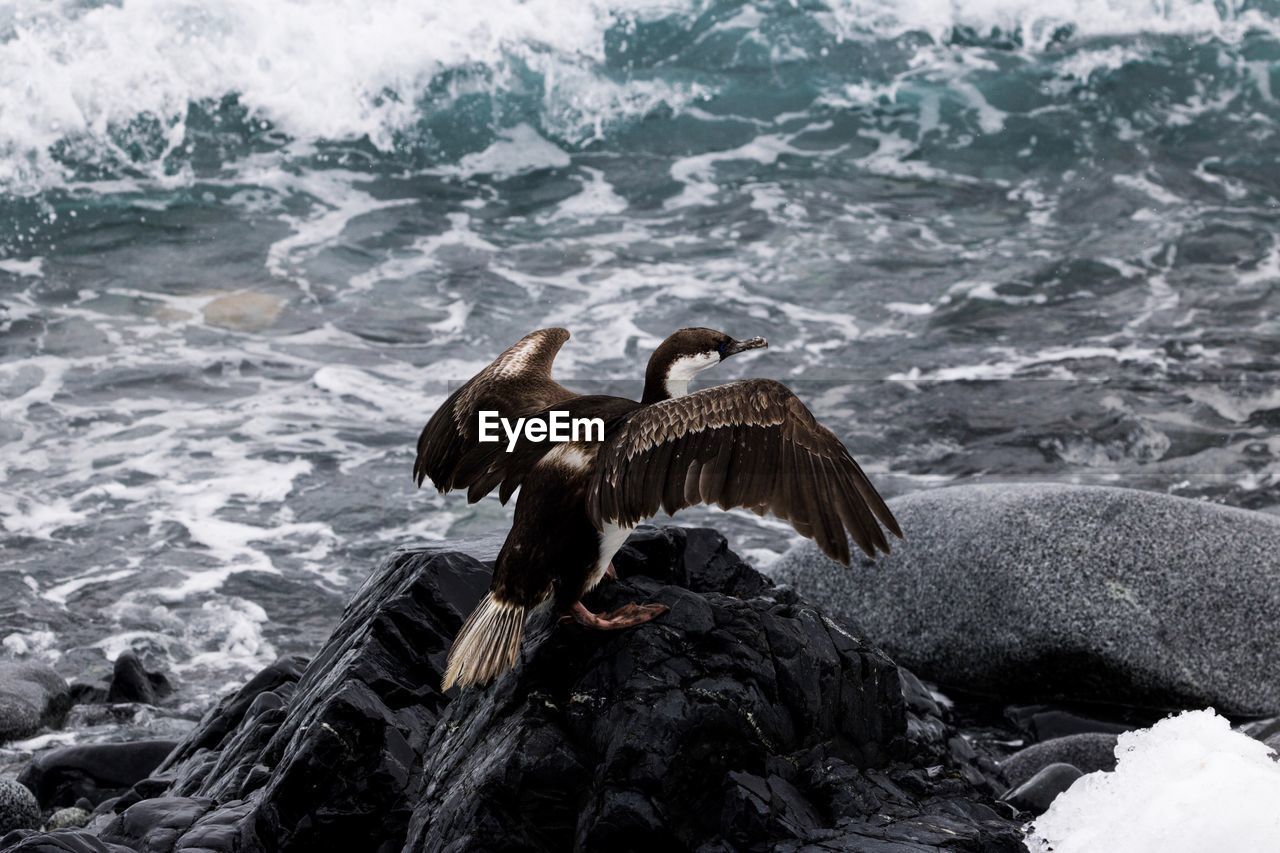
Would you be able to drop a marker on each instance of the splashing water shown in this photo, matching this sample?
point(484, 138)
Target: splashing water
point(245, 248)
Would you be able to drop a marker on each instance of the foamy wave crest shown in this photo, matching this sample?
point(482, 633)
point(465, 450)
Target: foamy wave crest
point(157, 87)
point(1036, 24)
point(119, 82)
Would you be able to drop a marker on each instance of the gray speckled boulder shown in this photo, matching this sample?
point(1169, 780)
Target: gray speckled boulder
point(1047, 592)
point(1087, 753)
point(70, 817)
point(32, 696)
point(18, 807)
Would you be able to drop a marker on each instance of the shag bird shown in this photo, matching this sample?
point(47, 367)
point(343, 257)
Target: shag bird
point(749, 443)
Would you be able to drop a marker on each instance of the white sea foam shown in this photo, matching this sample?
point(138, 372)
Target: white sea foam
point(596, 199)
point(1083, 64)
point(31, 643)
point(37, 518)
point(59, 593)
point(222, 634)
point(1037, 22)
point(336, 201)
point(1010, 363)
point(1236, 404)
point(518, 149)
point(32, 267)
point(696, 172)
point(1147, 187)
point(373, 391)
point(43, 742)
point(228, 501)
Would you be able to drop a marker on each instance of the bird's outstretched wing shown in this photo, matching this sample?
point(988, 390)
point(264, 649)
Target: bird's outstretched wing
point(518, 383)
point(751, 444)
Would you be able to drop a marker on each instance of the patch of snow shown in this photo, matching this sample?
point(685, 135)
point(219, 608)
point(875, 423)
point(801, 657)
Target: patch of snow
point(1188, 784)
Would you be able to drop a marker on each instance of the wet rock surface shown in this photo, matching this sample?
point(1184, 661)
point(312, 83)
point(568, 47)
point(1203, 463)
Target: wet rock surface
point(131, 682)
point(32, 696)
point(1048, 592)
point(94, 772)
point(1038, 793)
point(127, 680)
point(743, 719)
point(1045, 722)
point(1088, 753)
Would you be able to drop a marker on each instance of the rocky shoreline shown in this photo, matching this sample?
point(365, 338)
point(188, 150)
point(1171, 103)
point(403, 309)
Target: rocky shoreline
point(747, 718)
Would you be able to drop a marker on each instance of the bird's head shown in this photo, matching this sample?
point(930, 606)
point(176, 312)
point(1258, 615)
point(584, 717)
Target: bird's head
point(685, 354)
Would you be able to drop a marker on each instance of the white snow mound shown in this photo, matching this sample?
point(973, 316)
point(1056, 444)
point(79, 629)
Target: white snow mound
point(1188, 784)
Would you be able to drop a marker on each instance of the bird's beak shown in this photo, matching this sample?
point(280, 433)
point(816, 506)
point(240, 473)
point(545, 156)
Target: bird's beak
point(742, 346)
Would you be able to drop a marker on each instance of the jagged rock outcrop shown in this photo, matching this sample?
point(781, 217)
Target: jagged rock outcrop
point(131, 682)
point(743, 719)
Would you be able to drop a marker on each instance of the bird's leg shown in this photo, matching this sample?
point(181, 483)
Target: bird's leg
point(610, 572)
point(627, 616)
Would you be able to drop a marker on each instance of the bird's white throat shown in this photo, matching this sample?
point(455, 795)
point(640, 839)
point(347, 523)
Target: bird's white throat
point(685, 368)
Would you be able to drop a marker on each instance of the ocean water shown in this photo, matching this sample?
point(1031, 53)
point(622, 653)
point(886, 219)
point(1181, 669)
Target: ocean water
point(245, 249)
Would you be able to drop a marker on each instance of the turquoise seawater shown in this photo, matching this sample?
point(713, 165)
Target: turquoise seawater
point(246, 247)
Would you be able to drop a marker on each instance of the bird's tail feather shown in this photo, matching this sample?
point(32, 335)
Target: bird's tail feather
point(487, 645)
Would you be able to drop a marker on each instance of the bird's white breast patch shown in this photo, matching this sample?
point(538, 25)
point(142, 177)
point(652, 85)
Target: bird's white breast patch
point(575, 457)
point(613, 538)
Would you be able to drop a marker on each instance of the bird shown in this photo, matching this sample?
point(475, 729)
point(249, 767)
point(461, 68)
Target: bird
point(749, 443)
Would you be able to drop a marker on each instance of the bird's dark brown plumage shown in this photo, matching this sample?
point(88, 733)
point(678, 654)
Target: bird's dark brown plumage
point(746, 444)
point(517, 384)
point(751, 444)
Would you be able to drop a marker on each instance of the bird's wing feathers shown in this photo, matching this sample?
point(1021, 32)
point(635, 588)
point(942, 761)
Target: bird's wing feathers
point(751, 444)
point(518, 383)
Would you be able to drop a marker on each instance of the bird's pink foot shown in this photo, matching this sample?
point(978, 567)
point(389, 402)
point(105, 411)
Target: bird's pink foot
point(627, 616)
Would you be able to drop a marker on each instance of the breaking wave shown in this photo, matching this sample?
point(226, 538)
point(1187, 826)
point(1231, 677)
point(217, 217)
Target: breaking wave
point(92, 91)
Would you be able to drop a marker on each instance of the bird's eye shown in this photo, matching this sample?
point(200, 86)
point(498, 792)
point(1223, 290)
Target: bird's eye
point(721, 347)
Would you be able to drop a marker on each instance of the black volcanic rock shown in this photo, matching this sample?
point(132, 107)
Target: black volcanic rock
point(1042, 723)
point(697, 727)
point(323, 757)
point(1038, 793)
point(743, 719)
point(730, 723)
point(131, 682)
point(58, 842)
